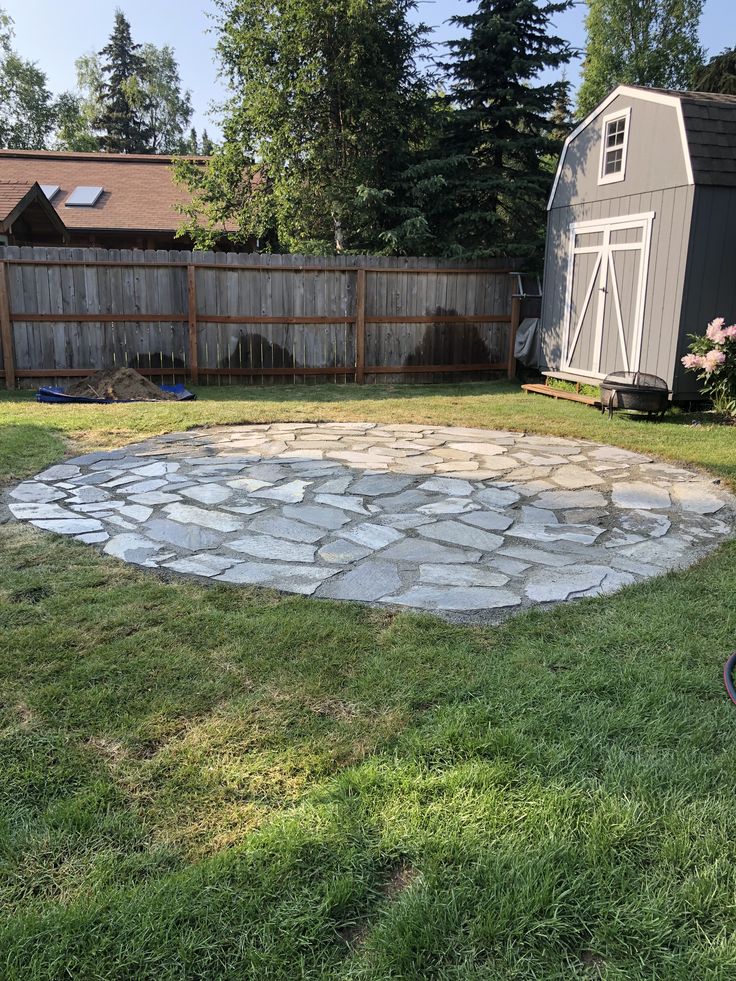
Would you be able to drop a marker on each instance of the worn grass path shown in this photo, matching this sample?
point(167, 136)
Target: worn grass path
point(211, 783)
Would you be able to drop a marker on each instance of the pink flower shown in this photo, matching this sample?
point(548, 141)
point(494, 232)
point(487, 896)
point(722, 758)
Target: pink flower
point(713, 360)
point(715, 331)
point(730, 332)
point(692, 361)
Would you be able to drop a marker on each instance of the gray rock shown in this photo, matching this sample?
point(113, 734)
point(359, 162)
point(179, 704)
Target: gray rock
point(460, 575)
point(207, 493)
point(372, 536)
point(497, 497)
point(342, 551)
point(188, 514)
point(455, 598)
point(451, 505)
point(314, 514)
point(644, 523)
point(380, 484)
point(697, 497)
point(561, 500)
point(538, 556)
point(92, 538)
point(133, 548)
point(201, 565)
point(638, 495)
point(413, 550)
point(290, 493)
point(402, 522)
point(573, 477)
point(62, 471)
point(40, 512)
point(191, 537)
point(447, 485)
point(368, 582)
point(553, 585)
point(268, 547)
point(457, 533)
point(75, 526)
point(34, 492)
point(283, 576)
point(294, 531)
point(344, 501)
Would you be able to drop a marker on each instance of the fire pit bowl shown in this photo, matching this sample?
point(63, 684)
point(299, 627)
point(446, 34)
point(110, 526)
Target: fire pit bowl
point(636, 391)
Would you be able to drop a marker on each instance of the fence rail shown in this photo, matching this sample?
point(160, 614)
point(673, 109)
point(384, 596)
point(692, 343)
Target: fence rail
point(65, 313)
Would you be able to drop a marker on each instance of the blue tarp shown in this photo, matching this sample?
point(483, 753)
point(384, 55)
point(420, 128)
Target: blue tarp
point(57, 396)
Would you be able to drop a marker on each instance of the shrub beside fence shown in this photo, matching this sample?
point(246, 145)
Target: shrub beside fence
point(227, 317)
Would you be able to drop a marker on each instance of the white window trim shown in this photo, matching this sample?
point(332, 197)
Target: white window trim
point(621, 174)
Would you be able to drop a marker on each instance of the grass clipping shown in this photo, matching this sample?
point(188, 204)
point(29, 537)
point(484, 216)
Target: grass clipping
point(119, 385)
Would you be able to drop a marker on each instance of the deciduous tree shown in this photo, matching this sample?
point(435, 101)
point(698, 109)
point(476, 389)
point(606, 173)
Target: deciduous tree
point(327, 99)
point(639, 42)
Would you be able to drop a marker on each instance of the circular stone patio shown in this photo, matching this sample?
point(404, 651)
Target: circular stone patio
point(459, 521)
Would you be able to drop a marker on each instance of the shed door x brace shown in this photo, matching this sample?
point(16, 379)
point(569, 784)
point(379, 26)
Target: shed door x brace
point(606, 289)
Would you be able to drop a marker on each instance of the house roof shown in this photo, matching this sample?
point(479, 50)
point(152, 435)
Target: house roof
point(25, 198)
point(707, 123)
point(139, 193)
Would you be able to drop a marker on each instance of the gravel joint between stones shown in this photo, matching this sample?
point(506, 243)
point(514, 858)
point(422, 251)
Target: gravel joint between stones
point(471, 524)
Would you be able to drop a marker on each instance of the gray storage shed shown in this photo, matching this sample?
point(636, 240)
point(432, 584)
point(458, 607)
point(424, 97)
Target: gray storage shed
point(641, 236)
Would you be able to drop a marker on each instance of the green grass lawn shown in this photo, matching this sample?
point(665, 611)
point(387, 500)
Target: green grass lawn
point(203, 782)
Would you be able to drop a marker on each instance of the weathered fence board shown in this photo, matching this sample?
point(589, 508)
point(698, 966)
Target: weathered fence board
point(224, 317)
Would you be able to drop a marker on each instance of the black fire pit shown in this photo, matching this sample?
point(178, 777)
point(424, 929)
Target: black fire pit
point(635, 391)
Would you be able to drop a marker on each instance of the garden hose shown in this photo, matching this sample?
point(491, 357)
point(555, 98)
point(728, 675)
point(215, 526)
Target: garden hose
point(728, 677)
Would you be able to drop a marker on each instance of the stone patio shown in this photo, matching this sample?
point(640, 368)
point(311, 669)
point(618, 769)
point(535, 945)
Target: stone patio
point(469, 523)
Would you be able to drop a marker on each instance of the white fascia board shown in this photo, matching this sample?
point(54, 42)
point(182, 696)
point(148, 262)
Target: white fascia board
point(635, 93)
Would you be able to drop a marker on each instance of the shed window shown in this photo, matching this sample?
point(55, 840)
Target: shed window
point(615, 139)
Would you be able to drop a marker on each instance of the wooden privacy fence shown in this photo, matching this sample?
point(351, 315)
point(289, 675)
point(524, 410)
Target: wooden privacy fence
point(231, 317)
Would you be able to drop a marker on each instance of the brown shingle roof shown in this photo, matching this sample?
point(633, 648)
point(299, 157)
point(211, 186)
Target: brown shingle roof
point(26, 198)
point(139, 191)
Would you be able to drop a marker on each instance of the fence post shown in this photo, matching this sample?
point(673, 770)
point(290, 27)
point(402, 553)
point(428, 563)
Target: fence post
point(513, 327)
point(6, 328)
point(360, 328)
point(192, 316)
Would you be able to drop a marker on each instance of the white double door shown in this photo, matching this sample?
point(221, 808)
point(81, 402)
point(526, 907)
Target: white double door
point(606, 288)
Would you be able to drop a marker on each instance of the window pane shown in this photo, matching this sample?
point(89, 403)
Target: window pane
point(614, 161)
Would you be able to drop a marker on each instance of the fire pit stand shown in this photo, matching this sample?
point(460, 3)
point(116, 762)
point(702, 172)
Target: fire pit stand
point(635, 391)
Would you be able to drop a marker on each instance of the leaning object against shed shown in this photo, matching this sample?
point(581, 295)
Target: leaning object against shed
point(641, 237)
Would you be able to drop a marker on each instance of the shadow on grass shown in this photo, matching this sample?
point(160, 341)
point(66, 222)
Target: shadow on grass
point(26, 449)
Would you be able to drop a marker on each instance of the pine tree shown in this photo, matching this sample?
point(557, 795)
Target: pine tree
point(207, 146)
point(192, 146)
point(719, 75)
point(121, 120)
point(501, 131)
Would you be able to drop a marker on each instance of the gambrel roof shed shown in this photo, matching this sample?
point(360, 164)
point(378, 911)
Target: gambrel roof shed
point(641, 235)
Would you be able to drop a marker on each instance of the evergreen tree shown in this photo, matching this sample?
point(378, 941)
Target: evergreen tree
point(501, 131)
point(719, 75)
point(122, 110)
point(192, 146)
point(630, 42)
point(207, 146)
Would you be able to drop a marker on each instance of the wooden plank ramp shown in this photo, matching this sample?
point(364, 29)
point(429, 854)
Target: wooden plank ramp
point(558, 393)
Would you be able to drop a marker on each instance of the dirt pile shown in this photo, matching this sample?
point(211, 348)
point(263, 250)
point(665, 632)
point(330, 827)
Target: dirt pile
point(119, 385)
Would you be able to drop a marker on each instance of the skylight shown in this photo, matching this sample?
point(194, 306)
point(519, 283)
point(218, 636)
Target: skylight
point(83, 197)
point(50, 190)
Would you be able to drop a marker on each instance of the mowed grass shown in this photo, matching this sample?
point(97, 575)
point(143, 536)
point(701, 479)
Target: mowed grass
point(213, 782)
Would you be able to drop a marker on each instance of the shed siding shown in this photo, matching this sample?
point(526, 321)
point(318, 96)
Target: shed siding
point(655, 158)
point(667, 261)
point(710, 285)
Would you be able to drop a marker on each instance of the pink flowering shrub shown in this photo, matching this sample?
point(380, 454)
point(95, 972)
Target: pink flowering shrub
point(713, 357)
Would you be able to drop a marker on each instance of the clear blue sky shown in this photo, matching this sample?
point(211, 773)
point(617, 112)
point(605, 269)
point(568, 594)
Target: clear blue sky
point(54, 33)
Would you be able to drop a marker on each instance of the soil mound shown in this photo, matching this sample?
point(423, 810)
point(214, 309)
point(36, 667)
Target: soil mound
point(119, 385)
